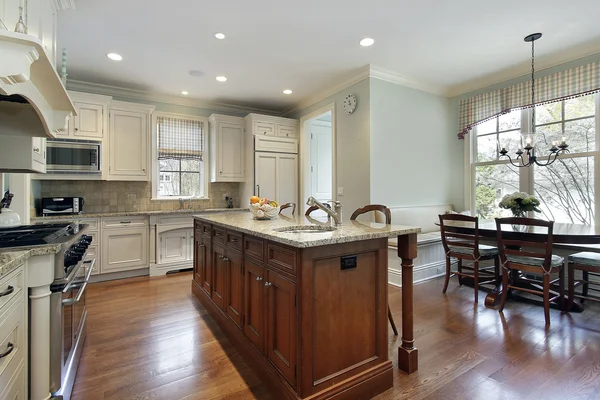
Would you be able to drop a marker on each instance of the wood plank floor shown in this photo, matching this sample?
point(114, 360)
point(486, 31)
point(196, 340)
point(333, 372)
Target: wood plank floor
point(149, 339)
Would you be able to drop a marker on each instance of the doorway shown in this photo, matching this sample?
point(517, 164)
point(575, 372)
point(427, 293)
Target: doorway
point(318, 161)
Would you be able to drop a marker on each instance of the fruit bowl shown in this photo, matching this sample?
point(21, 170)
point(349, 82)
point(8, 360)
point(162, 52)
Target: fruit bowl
point(266, 211)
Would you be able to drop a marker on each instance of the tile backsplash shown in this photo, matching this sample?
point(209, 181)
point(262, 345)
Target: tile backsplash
point(102, 196)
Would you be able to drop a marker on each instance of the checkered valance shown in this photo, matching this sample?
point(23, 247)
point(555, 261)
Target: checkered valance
point(571, 83)
point(180, 138)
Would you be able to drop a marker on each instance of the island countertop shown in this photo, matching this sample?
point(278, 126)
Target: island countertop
point(349, 231)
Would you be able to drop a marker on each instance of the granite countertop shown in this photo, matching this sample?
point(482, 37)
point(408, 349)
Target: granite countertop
point(350, 231)
point(137, 213)
point(11, 260)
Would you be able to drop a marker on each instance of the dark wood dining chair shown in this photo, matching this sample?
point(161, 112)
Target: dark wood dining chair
point(388, 220)
point(589, 264)
point(532, 254)
point(288, 205)
point(465, 246)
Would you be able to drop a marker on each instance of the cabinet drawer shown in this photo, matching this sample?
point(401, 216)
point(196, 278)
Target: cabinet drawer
point(16, 388)
point(218, 235)
point(206, 230)
point(12, 336)
point(91, 222)
point(264, 128)
point(95, 238)
point(11, 285)
point(234, 240)
point(275, 144)
point(120, 223)
point(286, 131)
point(282, 258)
point(254, 248)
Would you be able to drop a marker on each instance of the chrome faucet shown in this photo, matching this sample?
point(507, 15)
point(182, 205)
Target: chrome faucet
point(336, 214)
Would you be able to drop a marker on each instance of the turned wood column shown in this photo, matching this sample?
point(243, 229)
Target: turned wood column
point(407, 352)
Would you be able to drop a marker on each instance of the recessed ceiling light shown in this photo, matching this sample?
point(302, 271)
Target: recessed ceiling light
point(366, 42)
point(114, 56)
point(287, 91)
point(183, 92)
point(221, 78)
point(220, 35)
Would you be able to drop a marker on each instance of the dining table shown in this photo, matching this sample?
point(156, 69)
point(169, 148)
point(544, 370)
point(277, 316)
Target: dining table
point(576, 237)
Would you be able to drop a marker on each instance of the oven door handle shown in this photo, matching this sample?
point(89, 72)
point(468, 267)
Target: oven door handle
point(68, 302)
point(70, 279)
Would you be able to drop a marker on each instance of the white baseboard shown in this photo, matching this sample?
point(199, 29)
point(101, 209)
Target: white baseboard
point(119, 275)
point(421, 273)
point(162, 269)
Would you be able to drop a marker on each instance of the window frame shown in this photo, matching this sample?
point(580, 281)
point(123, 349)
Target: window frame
point(526, 181)
point(205, 155)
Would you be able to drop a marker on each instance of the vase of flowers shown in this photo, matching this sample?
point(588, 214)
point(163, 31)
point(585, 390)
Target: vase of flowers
point(519, 203)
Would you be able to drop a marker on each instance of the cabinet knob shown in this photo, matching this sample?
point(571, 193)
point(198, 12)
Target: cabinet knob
point(76, 129)
point(220, 172)
point(36, 150)
point(202, 245)
point(259, 278)
point(225, 259)
point(267, 284)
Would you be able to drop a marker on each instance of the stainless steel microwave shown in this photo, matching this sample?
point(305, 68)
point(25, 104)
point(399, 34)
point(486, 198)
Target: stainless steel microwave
point(73, 156)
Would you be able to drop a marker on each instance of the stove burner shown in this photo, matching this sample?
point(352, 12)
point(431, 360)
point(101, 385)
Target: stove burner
point(34, 235)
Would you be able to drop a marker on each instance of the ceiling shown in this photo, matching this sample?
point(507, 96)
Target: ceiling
point(449, 47)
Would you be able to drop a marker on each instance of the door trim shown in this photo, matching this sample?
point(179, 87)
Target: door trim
point(305, 153)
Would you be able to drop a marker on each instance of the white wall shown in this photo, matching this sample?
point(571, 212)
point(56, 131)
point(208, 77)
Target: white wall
point(416, 158)
point(352, 145)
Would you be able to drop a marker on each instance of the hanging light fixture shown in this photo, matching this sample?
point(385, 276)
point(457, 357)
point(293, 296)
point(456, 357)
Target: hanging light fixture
point(557, 147)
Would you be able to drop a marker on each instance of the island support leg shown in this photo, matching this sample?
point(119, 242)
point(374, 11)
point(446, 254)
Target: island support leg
point(408, 356)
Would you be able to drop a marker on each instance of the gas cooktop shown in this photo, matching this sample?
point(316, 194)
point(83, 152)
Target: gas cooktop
point(35, 235)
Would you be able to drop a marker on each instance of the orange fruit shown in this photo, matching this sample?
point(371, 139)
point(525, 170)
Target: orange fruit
point(254, 199)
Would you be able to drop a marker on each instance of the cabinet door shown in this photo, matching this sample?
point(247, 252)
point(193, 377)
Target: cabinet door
point(199, 261)
point(124, 249)
point(264, 128)
point(230, 152)
point(287, 178)
point(173, 246)
point(234, 277)
point(281, 324)
point(254, 312)
point(39, 149)
point(218, 275)
point(265, 175)
point(128, 145)
point(88, 121)
point(286, 131)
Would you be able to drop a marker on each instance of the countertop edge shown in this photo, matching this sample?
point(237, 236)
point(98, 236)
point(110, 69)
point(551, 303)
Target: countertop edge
point(136, 213)
point(11, 260)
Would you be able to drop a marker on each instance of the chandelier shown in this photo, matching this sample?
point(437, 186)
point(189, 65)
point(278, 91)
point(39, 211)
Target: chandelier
point(529, 153)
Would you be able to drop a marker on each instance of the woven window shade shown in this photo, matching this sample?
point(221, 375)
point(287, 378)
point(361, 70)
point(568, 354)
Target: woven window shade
point(180, 138)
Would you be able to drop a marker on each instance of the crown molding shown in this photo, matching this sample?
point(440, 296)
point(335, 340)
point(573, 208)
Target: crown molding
point(362, 74)
point(394, 77)
point(115, 91)
point(64, 5)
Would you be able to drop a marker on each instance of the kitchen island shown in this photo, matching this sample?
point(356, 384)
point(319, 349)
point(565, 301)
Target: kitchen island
point(306, 305)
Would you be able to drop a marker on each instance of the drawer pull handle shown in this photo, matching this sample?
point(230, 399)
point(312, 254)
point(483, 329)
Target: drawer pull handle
point(225, 259)
point(267, 284)
point(220, 256)
point(8, 291)
point(125, 222)
point(259, 278)
point(202, 245)
point(217, 233)
point(233, 240)
point(9, 348)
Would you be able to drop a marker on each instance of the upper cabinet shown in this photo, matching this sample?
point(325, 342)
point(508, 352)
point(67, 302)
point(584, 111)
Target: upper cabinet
point(91, 121)
point(265, 125)
point(129, 137)
point(227, 148)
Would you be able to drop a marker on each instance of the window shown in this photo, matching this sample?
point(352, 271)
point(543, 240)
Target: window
point(179, 158)
point(566, 189)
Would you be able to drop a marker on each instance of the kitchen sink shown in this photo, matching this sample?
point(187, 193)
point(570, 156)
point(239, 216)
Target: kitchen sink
point(306, 229)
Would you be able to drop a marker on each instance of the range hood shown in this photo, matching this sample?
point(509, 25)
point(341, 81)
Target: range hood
point(33, 100)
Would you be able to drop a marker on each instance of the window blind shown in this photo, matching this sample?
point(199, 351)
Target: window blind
point(180, 138)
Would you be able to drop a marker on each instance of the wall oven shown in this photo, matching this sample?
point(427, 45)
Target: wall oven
point(73, 156)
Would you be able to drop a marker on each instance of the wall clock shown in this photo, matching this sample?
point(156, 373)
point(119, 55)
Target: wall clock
point(350, 103)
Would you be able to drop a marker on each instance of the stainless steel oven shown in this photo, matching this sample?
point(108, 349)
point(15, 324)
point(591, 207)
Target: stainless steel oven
point(73, 156)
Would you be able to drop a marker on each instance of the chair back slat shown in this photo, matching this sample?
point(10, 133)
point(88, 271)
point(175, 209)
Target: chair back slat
point(288, 205)
point(376, 208)
point(450, 233)
point(315, 208)
point(534, 245)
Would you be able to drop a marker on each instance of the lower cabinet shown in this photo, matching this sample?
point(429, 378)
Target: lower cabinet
point(124, 249)
point(234, 284)
point(218, 275)
point(254, 303)
point(200, 261)
point(173, 246)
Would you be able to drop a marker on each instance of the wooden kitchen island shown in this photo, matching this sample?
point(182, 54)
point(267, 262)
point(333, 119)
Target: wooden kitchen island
point(307, 310)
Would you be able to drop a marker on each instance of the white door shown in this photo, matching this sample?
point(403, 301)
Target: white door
point(128, 144)
point(287, 178)
point(265, 175)
point(173, 246)
point(231, 158)
point(321, 160)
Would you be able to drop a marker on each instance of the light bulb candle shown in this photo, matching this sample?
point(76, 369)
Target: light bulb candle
point(528, 145)
point(553, 148)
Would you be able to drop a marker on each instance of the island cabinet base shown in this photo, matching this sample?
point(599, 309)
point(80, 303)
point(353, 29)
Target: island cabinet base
point(312, 322)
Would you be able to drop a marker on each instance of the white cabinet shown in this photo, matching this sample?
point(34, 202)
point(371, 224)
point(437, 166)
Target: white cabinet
point(227, 148)
point(129, 134)
point(23, 154)
point(91, 121)
point(276, 176)
point(266, 125)
point(175, 246)
point(124, 244)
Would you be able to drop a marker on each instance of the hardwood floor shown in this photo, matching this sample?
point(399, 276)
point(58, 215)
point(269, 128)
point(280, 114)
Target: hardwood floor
point(149, 339)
